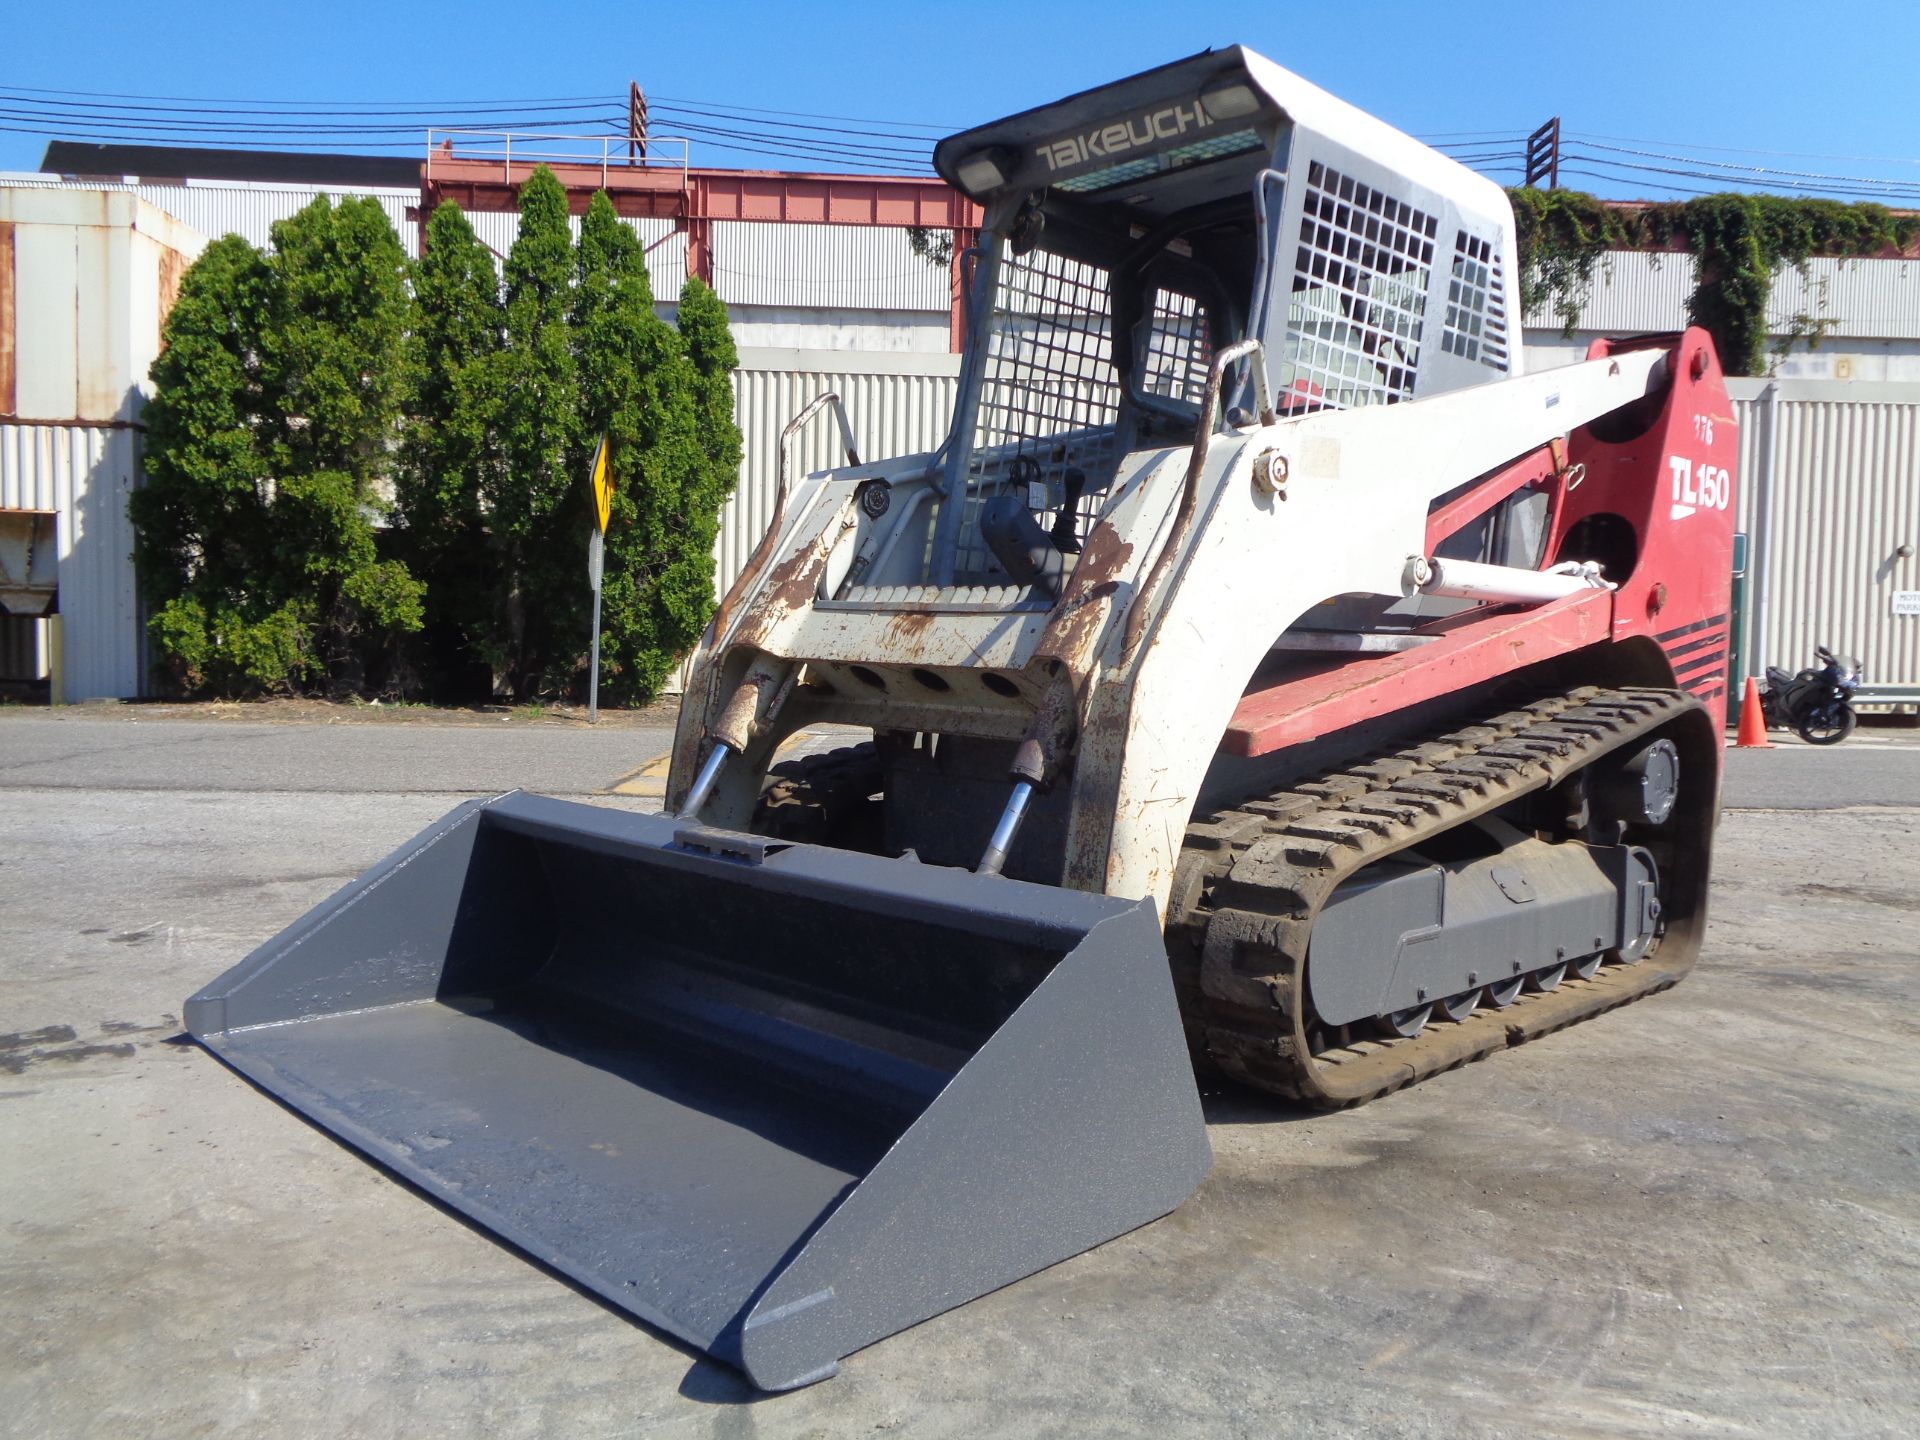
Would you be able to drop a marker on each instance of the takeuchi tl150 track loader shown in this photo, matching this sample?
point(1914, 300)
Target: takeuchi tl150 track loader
point(1265, 674)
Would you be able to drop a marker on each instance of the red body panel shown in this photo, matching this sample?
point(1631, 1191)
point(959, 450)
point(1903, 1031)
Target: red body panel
point(1674, 484)
point(1315, 705)
point(1648, 490)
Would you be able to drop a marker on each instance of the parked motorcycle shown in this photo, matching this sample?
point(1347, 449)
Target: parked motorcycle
point(1815, 704)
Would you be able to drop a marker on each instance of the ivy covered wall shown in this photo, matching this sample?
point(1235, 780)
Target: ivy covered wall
point(1738, 241)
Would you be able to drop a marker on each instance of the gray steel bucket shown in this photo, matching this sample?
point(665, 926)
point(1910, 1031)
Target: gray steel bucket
point(781, 1101)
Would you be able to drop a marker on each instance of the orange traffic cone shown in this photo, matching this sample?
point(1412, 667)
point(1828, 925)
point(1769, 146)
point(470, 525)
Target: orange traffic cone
point(1753, 720)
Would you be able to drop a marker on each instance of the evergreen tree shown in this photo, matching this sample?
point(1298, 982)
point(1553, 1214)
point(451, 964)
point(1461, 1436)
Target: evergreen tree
point(709, 342)
point(540, 435)
point(638, 387)
point(454, 467)
point(338, 359)
point(276, 409)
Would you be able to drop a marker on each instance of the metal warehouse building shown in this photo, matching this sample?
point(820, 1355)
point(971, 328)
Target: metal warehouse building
point(86, 279)
point(1830, 481)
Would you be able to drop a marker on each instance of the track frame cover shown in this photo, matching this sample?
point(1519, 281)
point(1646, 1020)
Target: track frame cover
point(779, 1101)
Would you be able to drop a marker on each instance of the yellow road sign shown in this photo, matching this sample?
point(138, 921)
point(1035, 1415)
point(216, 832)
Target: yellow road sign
point(602, 485)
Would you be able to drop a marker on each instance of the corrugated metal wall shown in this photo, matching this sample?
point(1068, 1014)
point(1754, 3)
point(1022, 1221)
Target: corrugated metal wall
point(666, 255)
point(1635, 292)
point(897, 406)
point(1826, 520)
point(217, 207)
point(83, 474)
point(826, 266)
point(1856, 297)
point(841, 267)
point(1845, 496)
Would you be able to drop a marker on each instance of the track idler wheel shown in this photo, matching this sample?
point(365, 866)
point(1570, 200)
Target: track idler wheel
point(1503, 993)
point(1459, 1007)
point(1541, 981)
point(1405, 1024)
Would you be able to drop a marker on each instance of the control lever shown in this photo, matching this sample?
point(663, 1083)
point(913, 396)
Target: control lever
point(1065, 538)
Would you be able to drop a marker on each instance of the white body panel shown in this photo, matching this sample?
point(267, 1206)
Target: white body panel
point(1354, 515)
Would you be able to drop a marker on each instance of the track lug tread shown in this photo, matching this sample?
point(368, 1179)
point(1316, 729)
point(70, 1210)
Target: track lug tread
point(1271, 862)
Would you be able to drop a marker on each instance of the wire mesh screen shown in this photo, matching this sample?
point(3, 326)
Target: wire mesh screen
point(1049, 395)
point(1049, 363)
point(1174, 363)
point(1361, 274)
point(1476, 327)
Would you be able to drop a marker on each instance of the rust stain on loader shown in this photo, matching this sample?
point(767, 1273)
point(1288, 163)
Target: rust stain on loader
point(8, 405)
point(1076, 622)
point(906, 628)
point(789, 588)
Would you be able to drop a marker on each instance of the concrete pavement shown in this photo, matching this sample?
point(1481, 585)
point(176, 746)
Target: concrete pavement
point(1700, 1214)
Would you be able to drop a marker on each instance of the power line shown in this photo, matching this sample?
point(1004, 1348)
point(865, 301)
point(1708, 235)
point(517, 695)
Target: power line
point(411, 147)
point(1745, 150)
point(215, 129)
point(938, 130)
point(664, 108)
point(1616, 159)
point(751, 148)
point(23, 95)
point(341, 106)
point(289, 109)
point(1568, 169)
point(874, 152)
point(1760, 170)
point(1832, 185)
point(817, 138)
point(1434, 138)
point(101, 116)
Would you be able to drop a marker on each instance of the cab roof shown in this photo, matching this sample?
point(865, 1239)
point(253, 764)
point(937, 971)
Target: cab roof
point(1164, 140)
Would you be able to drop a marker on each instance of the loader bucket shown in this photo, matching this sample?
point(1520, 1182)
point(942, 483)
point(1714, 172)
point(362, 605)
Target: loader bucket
point(780, 1101)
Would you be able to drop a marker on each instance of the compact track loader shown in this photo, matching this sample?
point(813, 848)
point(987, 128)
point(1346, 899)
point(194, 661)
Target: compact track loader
point(1264, 674)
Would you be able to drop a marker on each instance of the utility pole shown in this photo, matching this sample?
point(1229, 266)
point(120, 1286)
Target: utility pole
point(1543, 155)
point(636, 123)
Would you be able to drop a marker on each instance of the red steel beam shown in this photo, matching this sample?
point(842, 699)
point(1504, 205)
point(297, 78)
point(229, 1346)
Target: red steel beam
point(694, 199)
point(779, 196)
point(1320, 704)
point(790, 199)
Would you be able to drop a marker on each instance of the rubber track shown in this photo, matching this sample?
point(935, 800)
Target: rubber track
point(1252, 880)
point(809, 798)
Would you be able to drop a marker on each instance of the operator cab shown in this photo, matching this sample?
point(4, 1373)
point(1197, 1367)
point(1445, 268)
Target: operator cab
point(1134, 230)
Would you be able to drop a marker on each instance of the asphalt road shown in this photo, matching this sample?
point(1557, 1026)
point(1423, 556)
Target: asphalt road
point(1881, 767)
point(1698, 1215)
point(70, 750)
point(124, 752)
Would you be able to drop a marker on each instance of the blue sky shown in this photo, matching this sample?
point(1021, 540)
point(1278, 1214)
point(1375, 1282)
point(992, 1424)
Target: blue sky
point(1830, 95)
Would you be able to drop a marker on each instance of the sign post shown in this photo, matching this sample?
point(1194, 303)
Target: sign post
point(596, 566)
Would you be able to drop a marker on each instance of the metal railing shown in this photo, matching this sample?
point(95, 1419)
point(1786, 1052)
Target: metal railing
point(750, 573)
point(508, 148)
